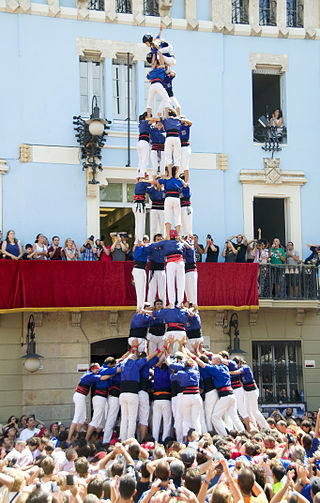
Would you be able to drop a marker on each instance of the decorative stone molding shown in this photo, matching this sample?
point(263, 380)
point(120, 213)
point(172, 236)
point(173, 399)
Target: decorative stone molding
point(12, 5)
point(256, 30)
point(222, 162)
point(268, 63)
point(253, 317)
point(38, 319)
point(25, 153)
point(311, 34)
point(3, 167)
point(192, 24)
point(110, 48)
point(219, 318)
point(76, 319)
point(83, 13)
point(300, 317)
point(272, 175)
point(113, 318)
point(283, 32)
point(166, 21)
point(25, 6)
point(165, 8)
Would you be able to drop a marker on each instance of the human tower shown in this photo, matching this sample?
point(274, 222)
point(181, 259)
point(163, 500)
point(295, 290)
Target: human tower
point(166, 364)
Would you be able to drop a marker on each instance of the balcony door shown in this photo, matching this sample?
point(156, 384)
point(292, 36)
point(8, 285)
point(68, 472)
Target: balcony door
point(269, 215)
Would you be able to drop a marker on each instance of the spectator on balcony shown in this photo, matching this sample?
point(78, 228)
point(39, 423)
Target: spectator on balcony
point(40, 247)
point(55, 251)
point(29, 253)
point(262, 252)
point(1, 239)
point(119, 248)
point(253, 251)
point(314, 252)
point(229, 252)
point(71, 251)
point(11, 247)
point(105, 252)
point(198, 249)
point(89, 250)
point(211, 250)
point(240, 245)
point(277, 257)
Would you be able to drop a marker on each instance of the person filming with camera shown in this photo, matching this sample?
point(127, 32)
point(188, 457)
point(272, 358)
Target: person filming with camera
point(89, 250)
point(211, 250)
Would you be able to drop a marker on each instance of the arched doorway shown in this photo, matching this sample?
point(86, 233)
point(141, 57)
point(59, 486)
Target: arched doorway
point(108, 347)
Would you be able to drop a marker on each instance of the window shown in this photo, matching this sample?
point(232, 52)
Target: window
point(120, 90)
point(295, 13)
point(240, 12)
point(267, 93)
point(151, 7)
point(96, 5)
point(277, 370)
point(268, 12)
point(91, 84)
point(124, 6)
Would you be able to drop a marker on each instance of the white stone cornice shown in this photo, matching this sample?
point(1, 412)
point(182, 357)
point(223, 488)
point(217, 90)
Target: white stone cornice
point(110, 48)
point(261, 61)
point(3, 167)
point(260, 176)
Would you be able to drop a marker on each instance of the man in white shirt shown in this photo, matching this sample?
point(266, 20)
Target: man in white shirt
point(16, 453)
point(30, 430)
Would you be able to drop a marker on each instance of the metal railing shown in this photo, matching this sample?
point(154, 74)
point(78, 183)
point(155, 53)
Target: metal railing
point(294, 14)
point(151, 7)
point(240, 12)
point(124, 7)
point(269, 134)
point(268, 12)
point(96, 5)
point(284, 281)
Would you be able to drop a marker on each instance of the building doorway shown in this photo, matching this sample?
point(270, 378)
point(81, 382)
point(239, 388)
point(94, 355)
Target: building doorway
point(108, 347)
point(269, 215)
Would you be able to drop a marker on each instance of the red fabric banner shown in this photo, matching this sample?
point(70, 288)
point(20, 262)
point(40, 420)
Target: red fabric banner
point(42, 285)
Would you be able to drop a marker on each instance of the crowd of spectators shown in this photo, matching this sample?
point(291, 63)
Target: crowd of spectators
point(237, 249)
point(38, 465)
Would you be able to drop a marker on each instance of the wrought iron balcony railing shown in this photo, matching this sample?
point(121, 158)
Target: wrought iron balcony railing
point(289, 281)
point(240, 12)
point(96, 5)
point(269, 134)
point(294, 14)
point(151, 7)
point(268, 12)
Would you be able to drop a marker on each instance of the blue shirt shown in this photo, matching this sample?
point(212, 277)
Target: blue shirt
point(161, 379)
point(144, 127)
point(186, 192)
point(157, 136)
point(189, 255)
point(106, 371)
point(156, 253)
point(141, 254)
point(188, 377)
point(173, 184)
point(174, 315)
point(156, 195)
point(171, 247)
point(220, 375)
point(145, 370)
point(157, 74)
point(171, 124)
point(184, 133)
point(167, 83)
point(89, 378)
point(130, 369)
point(193, 322)
point(141, 188)
point(141, 320)
point(246, 376)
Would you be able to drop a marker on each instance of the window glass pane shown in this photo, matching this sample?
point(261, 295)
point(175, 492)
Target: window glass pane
point(112, 192)
point(96, 70)
point(130, 192)
point(84, 104)
point(83, 69)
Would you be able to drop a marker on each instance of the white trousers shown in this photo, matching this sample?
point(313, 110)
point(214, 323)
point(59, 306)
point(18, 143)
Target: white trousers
point(143, 150)
point(172, 207)
point(157, 88)
point(175, 274)
point(251, 403)
point(191, 411)
point(157, 283)
point(161, 412)
point(225, 405)
point(172, 147)
point(186, 220)
point(144, 407)
point(176, 405)
point(178, 335)
point(111, 418)
point(139, 221)
point(174, 103)
point(80, 412)
point(210, 401)
point(156, 223)
point(129, 403)
point(192, 286)
point(157, 162)
point(141, 343)
point(140, 283)
point(240, 398)
point(100, 411)
point(168, 60)
point(185, 158)
point(192, 344)
point(155, 342)
point(203, 423)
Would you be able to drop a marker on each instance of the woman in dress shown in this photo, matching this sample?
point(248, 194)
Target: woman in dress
point(11, 247)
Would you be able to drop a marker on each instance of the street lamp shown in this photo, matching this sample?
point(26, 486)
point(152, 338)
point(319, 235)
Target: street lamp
point(234, 324)
point(91, 135)
point(31, 358)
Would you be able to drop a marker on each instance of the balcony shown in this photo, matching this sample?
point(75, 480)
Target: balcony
point(289, 282)
point(240, 12)
point(272, 135)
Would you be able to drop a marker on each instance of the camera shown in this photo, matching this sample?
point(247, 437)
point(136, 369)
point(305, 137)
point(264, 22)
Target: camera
point(209, 236)
point(290, 438)
point(69, 480)
point(12, 462)
point(91, 238)
point(174, 493)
